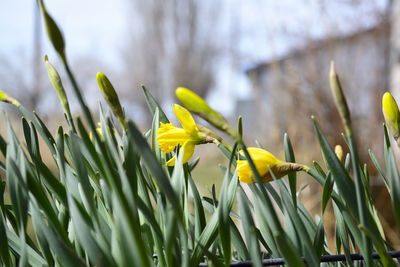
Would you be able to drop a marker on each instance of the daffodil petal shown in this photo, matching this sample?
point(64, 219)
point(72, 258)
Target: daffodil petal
point(263, 161)
point(245, 173)
point(169, 140)
point(165, 127)
point(186, 119)
point(171, 162)
point(188, 150)
point(261, 154)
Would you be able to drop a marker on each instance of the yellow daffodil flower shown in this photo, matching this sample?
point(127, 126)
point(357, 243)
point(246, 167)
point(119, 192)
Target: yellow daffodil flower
point(391, 114)
point(99, 131)
point(264, 161)
point(169, 136)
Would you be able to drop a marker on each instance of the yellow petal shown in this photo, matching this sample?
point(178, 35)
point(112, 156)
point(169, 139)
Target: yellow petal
point(245, 173)
point(171, 162)
point(168, 140)
point(188, 150)
point(187, 121)
point(164, 127)
point(261, 154)
point(263, 161)
point(98, 129)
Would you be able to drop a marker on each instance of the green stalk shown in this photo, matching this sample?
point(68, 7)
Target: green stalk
point(344, 112)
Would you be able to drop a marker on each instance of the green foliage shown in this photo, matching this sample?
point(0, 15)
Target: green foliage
point(112, 201)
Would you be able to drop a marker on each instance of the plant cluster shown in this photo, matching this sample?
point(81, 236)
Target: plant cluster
point(121, 197)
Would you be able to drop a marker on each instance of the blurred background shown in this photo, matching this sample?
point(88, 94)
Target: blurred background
point(265, 60)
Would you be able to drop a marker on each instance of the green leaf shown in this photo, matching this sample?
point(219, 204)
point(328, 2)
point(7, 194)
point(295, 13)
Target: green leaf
point(224, 210)
point(291, 256)
point(327, 191)
point(249, 229)
point(319, 169)
point(289, 157)
point(41, 127)
point(130, 244)
point(4, 248)
point(319, 239)
point(153, 165)
point(298, 225)
point(385, 258)
point(34, 258)
point(394, 181)
point(83, 228)
point(341, 235)
point(238, 243)
point(338, 172)
point(210, 231)
point(41, 238)
point(81, 171)
point(149, 215)
point(61, 250)
point(378, 167)
point(153, 105)
point(199, 209)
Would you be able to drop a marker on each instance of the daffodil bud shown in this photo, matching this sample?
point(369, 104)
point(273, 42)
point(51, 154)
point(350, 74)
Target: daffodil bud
point(57, 85)
point(340, 100)
point(53, 32)
point(194, 102)
point(200, 107)
point(339, 152)
point(4, 97)
point(391, 113)
point(111, 97)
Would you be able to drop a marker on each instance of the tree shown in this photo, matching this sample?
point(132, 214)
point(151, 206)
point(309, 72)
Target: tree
point(172, 43)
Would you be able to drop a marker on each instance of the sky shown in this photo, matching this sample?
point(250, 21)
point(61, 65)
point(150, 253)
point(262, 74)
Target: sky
point(90, 26)
point(266, 29)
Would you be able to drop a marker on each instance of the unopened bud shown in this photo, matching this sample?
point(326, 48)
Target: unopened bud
point(57, 85)
point(339, 152)
point(111, 97)
point(194, 102)
point(4, 97)
point(200, 107)
point(391, 113)
point(53, 32)
point(340, 100)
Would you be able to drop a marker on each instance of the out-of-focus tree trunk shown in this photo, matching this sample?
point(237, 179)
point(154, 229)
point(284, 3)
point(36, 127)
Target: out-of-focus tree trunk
point(37, 60)
point(172, 43)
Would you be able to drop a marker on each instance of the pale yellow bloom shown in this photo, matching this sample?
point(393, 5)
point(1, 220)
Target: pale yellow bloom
point(264, 161)
point(169, 136)
point(339, 151)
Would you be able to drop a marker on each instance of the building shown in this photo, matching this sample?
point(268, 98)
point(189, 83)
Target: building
point(288, 90)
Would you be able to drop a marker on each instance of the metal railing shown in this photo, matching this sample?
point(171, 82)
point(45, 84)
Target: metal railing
point(324, 258)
